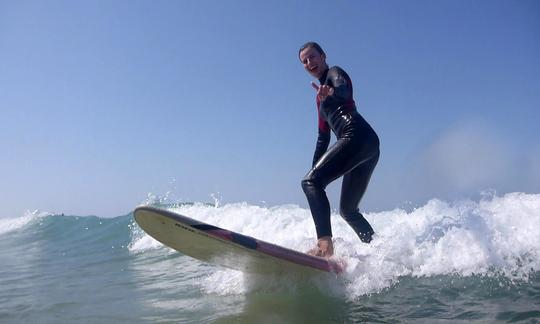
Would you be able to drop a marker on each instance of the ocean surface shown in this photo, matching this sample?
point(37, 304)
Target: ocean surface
point(466, 261)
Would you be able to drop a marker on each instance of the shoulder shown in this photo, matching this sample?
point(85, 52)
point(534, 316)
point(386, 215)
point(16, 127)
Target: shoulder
point(337, 72)
point(338, 75)
point(337, 69)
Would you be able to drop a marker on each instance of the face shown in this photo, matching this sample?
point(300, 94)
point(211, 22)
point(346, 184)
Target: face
point(313, 61)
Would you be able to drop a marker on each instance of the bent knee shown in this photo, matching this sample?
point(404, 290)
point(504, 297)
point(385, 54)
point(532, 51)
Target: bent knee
point(310, 182)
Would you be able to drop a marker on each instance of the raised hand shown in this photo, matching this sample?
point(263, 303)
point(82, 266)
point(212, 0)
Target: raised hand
point(323, 91)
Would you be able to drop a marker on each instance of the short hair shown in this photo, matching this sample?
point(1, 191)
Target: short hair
point(313, 45)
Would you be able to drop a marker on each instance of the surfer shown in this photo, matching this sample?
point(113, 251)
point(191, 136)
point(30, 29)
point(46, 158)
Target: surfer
point(353, 156)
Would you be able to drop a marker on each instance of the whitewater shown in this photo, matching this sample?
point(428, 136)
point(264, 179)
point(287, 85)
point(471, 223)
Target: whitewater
point(462, 261)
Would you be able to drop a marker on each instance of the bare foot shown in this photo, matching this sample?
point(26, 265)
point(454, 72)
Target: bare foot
point(324, 249)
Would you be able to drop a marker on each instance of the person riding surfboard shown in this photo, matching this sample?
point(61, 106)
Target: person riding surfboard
point(353, 157)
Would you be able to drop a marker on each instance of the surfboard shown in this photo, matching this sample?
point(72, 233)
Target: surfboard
point(221, 247)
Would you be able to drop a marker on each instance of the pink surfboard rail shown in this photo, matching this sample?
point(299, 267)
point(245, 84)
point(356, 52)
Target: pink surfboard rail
point(269, 249)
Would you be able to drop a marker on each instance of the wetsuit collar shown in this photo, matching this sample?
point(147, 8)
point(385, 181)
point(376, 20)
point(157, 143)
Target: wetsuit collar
point(323, 76)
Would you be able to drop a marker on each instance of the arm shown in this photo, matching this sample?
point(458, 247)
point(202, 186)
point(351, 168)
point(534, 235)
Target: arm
point(340, 83)
point(323, 140)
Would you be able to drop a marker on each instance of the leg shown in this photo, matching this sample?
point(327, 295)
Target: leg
point(352, 190)
point(332, 165)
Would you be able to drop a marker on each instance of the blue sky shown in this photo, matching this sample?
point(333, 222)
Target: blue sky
point(104, 102)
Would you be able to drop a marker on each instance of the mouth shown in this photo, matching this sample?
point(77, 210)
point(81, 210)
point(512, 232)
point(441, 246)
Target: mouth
point(313, 69)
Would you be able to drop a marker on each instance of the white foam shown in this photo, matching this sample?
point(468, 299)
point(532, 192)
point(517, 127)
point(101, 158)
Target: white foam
point(494, 236)
point(11, 224)
point(140, 241)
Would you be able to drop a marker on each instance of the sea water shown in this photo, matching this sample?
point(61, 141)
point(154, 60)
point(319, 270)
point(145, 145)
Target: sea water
point(444, 261)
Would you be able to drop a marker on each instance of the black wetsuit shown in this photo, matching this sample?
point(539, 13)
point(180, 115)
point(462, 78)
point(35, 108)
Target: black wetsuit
point(353, 156)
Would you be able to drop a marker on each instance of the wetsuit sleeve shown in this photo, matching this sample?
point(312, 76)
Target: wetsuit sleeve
point(340, 81)
point(323, 140)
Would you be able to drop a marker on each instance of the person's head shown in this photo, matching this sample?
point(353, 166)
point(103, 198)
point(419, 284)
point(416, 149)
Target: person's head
point(313, 58)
